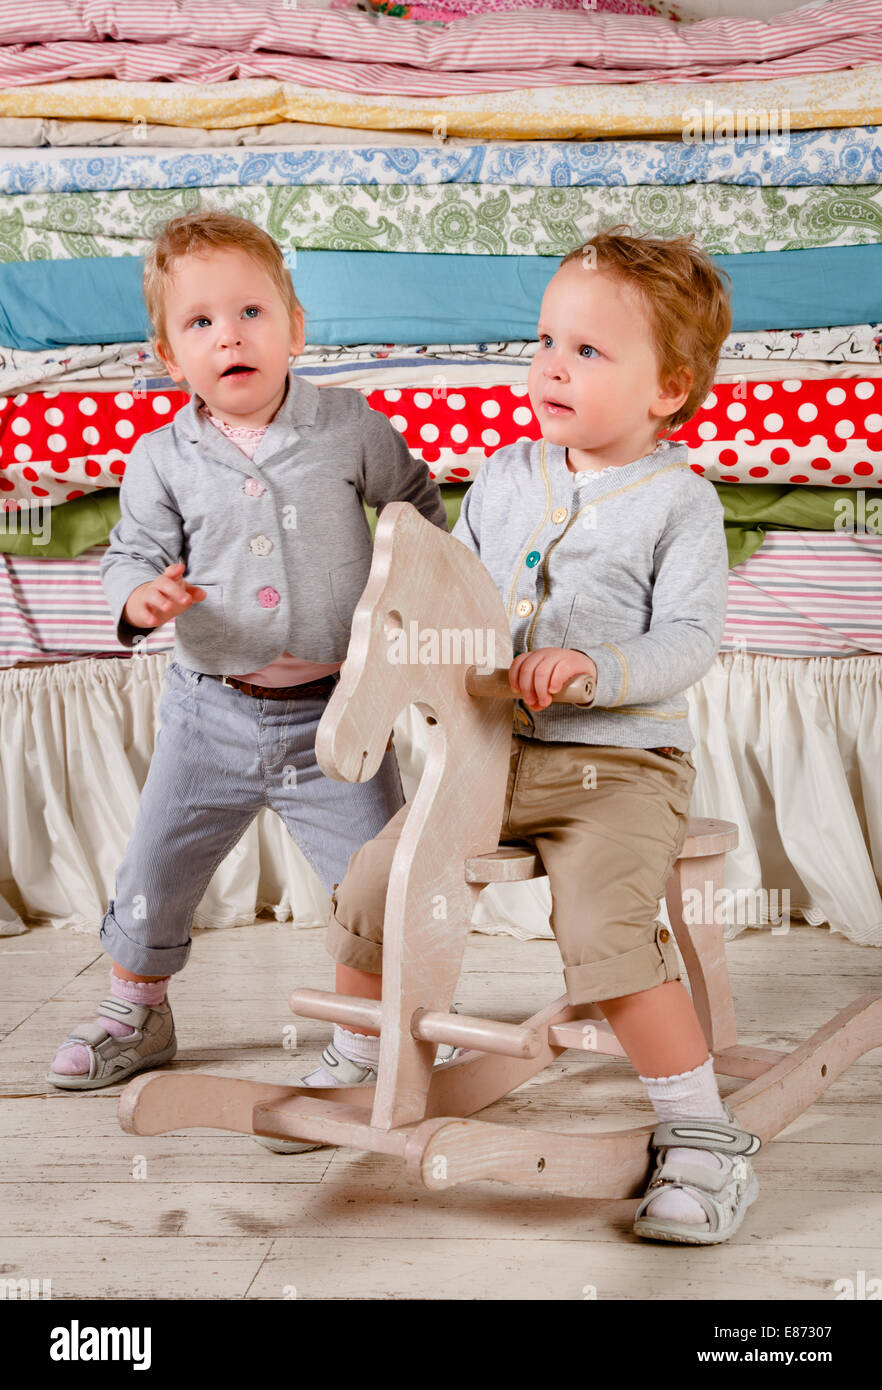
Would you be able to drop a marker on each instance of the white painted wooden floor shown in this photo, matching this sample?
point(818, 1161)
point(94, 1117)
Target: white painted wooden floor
point(217, 1217)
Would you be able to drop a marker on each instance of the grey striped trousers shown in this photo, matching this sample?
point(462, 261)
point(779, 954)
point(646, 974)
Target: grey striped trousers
point(220, 756)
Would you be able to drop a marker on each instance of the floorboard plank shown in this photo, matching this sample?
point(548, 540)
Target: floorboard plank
point(215, 1216)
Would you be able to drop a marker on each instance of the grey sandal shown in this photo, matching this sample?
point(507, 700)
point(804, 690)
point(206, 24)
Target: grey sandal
point(114, 1059)
point(725, 1193)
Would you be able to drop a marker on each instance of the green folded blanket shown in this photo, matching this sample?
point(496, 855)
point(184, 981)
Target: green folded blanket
point(63, 531)
point(752, 509)
point(749, 511)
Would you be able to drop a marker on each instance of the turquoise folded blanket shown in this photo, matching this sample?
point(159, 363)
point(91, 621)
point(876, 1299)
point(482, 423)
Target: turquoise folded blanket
point(408, 297)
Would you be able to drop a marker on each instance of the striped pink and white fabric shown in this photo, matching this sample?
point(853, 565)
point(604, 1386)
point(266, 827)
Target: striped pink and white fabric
point(809, 593)
point(446, 11)
point(219, 40)
point(55, 609)
point(803, 593)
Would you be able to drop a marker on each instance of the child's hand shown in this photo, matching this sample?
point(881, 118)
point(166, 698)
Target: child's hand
point(159, 600)
point(536, 676)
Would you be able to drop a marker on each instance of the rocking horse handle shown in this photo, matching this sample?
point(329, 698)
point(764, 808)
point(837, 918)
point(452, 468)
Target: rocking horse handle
point(495, 685)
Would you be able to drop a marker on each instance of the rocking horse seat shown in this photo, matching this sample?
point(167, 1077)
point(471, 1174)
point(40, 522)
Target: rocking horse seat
point(510, 863)
point(516, 863)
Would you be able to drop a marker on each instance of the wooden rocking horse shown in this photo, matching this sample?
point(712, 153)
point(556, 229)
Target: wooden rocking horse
point(421, 580)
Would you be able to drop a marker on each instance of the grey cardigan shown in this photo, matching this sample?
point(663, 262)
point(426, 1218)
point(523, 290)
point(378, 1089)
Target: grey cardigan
point(630, 568)
point(280, 544)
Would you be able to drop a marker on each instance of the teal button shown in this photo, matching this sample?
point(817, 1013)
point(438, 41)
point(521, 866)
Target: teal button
point(533, 558)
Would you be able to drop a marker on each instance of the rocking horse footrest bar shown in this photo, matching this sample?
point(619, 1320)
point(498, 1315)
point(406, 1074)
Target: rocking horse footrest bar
point(347, 1009)
point(459, 1030)
point(477, 1034)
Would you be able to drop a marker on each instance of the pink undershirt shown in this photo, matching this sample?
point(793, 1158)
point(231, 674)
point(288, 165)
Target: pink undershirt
point(286, 669)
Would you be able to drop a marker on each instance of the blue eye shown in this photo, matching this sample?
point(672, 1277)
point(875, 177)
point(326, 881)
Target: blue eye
point(250, 308)
point(201, 319)
point(546, 338)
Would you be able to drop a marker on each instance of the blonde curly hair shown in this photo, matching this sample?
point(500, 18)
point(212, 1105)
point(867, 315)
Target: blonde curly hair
point(194, 233)
point(686, 302)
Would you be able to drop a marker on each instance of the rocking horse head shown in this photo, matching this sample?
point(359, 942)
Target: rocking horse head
point(429, 611)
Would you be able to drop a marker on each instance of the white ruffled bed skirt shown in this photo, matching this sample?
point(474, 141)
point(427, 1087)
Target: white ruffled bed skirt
point(790, 749)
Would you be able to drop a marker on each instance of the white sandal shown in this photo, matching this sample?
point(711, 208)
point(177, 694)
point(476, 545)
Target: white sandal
point(724, 1193)
point(348, 1073)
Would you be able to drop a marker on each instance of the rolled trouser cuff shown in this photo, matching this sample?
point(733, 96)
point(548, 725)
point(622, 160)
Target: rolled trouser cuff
point(140, 959)
point(643, 968)
point(355, 951)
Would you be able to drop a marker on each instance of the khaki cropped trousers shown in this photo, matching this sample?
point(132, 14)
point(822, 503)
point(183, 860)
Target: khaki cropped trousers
point(608, 824)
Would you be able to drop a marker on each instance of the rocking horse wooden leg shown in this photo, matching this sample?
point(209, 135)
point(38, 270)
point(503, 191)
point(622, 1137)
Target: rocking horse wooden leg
point(423, 952)
point(473, 1082)
point(157, 1102)
point(702, 945)
point(771, 1102)
point(443, 1152)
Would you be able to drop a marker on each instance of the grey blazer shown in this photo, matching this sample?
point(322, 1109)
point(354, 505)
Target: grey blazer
point(280, 544)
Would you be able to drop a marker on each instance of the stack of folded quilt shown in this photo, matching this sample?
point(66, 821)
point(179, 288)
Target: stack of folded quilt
point(424, 170)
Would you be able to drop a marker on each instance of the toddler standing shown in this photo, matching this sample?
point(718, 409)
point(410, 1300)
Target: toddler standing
point(243, 520)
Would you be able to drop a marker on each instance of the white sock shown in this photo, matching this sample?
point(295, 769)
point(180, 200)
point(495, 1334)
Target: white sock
point(691, 1093)
point(360, 1048)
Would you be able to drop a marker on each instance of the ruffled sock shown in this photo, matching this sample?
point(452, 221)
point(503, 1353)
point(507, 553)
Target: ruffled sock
point(74, 1061)
point(693, 1094)
point(360, 1048)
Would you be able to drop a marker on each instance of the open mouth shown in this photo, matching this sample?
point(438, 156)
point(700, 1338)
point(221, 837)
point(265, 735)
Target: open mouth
point(238, 370)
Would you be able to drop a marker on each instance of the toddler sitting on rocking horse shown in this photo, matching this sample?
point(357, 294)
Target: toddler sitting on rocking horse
point(610, 554)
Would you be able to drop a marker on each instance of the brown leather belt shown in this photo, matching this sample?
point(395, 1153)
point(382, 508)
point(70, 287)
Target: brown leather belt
point(306, 690)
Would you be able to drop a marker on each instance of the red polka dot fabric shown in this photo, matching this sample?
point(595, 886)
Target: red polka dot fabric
point(819, 432)
point(58, 445)
point(55, 446)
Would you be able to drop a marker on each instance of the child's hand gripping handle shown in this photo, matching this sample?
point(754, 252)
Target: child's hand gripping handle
point(495, 685)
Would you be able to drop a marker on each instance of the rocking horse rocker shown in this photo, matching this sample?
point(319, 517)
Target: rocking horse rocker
point(449, 848)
